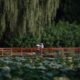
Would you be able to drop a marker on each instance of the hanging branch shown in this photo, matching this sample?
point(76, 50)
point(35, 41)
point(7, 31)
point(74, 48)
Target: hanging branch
point(32, 14)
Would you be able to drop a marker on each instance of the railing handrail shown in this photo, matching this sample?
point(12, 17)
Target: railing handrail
point(44, 49)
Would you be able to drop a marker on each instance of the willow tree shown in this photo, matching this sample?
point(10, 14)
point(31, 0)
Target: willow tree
point(22, 16)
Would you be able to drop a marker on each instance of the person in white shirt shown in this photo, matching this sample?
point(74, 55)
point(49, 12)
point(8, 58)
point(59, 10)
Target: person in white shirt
point(42, 45)
point(40, 48)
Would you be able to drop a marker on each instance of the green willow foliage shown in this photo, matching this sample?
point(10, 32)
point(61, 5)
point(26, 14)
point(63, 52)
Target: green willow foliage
point(24, 23)
point(21, 16)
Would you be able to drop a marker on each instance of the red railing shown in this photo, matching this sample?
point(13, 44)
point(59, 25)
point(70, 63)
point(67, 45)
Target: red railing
point(21, 51)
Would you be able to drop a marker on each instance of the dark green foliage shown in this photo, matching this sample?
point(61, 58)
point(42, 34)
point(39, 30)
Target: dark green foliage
point(24, 25)
point(69, 10)
point(24, 41)
point(36, 68)
point(62, 34)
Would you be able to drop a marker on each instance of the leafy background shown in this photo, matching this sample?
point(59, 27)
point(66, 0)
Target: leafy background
point(24, 23)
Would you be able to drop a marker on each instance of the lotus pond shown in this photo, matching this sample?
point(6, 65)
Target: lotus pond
point(39, 68)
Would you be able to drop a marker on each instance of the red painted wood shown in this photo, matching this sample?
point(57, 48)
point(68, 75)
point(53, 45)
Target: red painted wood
point(77, 49)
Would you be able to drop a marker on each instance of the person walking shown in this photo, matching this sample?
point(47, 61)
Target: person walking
point(41, 48)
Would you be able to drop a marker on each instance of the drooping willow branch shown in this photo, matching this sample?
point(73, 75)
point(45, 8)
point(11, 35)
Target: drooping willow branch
point(20, 15)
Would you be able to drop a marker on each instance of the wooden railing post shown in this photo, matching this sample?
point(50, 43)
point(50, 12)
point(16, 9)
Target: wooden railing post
point(2, 51)
point(11, 52)
point(21, 52)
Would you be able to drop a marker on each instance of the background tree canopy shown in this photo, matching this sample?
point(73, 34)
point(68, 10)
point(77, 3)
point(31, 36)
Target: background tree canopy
point(69, 10)
point(24, 23)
